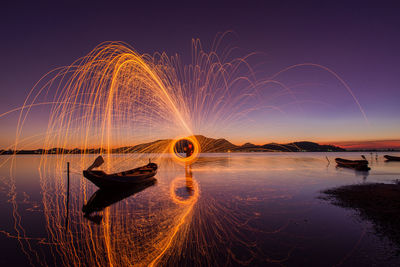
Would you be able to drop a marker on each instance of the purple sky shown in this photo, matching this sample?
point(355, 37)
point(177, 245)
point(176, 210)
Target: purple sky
point(358, 40)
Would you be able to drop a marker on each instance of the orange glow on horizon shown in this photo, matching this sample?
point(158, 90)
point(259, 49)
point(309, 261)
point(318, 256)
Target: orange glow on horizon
point(368, 144)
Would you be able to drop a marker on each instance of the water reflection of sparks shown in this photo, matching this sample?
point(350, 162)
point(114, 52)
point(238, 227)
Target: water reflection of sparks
point(187, 183)
point(139, 230)
point(183, 219)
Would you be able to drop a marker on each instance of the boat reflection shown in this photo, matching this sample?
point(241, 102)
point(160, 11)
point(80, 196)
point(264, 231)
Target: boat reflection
point(103, 198)
point(362, 173)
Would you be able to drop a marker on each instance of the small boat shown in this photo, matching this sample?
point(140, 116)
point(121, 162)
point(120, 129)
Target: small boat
point(359, 165)
point(120, 179)
point(391, 158)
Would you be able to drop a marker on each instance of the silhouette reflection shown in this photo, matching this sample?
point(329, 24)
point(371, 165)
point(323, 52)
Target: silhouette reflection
point(189, 179)
point(103, 198)
point(363, 173)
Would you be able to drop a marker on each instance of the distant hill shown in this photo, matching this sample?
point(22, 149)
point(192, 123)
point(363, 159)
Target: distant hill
point(208, 145)
point(290, 147)
point(303, 146)
point(214, 145)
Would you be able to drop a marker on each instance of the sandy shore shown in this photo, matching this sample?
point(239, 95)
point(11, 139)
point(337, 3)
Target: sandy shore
point(376, 202)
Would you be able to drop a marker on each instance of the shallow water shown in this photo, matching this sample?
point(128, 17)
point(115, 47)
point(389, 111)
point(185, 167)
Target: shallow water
point(225, 209)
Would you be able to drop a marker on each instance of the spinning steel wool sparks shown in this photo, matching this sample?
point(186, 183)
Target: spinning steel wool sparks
point(107, 101)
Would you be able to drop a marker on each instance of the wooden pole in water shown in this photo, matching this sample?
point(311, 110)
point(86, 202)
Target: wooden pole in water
point(68, 172)
point(66, 221)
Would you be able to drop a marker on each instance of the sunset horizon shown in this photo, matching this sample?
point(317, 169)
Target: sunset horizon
point(382, 144)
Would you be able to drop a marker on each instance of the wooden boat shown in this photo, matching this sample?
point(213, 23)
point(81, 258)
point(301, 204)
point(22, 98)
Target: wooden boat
point(360, 165)
point(119, 179)
point(391, 158)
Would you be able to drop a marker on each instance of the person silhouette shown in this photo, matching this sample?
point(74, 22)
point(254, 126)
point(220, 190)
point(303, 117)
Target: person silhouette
point(189, 178)
point(189, 150)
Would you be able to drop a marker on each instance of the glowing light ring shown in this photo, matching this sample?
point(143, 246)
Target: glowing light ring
point(195, 154)
point(178, 200)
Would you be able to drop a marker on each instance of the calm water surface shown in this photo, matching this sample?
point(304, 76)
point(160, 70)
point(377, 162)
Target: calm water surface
point(226, 209)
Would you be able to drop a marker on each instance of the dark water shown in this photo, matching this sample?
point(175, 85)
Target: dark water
point(226, 209)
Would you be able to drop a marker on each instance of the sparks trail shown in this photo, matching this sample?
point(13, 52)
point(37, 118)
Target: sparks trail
point(116, 97)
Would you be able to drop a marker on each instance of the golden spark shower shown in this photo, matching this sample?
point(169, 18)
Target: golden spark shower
point(105, 102)
point(115, 97)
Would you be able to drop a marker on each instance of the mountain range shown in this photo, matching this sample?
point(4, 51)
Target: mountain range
point(208, 145)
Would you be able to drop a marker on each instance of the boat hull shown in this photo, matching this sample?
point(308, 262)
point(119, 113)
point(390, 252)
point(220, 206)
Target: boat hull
point(122, 179)
point(360, 165)
point(392, 158)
